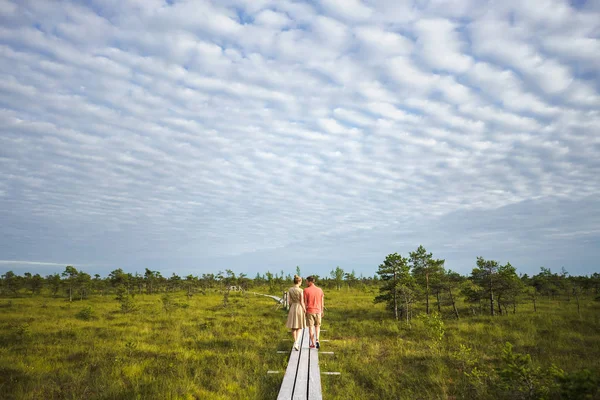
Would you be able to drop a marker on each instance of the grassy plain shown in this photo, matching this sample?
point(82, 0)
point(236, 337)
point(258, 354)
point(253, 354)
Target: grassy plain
point(198, 348)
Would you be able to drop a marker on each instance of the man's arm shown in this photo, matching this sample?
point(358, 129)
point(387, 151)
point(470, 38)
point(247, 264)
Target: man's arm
point(322, 303)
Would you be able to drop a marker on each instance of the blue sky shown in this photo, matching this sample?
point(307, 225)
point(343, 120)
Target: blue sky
point(195, 136)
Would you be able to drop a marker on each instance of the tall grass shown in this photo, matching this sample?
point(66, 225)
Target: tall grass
point(380, 358)
point(199, 348)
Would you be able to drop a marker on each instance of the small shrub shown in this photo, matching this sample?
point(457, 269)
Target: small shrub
point(520, 379)
point(477, 379)
point(578, 385)
point(85, 314)
point(167, 303)
point(226, 299)
point(126, 301)
point(433, 327)
point(464, 357)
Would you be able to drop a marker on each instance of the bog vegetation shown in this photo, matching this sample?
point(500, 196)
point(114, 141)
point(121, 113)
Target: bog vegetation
point(413, 331)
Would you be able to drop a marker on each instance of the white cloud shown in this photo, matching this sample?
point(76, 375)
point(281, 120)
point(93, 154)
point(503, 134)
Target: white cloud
point(380, 42)
point(203, 131)
point(272, 19)
point(331, 33)
point(408, 74)
point(352, 117)
point(440, 46)
point(348, 9)
point(499, 41)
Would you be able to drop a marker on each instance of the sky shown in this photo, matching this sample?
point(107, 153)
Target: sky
point(190, 137)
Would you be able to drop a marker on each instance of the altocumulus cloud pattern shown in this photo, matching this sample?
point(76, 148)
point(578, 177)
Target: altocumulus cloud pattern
point(196, 135)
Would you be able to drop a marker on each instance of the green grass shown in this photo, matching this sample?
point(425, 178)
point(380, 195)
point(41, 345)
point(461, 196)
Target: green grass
point(204, 350)
point(53, 349)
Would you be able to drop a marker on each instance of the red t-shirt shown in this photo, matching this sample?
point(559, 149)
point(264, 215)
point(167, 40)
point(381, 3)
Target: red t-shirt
point(313, 299)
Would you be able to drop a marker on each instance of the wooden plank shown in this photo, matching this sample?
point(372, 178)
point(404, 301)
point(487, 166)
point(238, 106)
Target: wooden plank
point(302, 379)
point(314, 376)
point(289, 379)
point(301, 386)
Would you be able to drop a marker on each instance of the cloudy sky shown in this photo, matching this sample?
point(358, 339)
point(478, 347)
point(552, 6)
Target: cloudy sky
point(195, 136)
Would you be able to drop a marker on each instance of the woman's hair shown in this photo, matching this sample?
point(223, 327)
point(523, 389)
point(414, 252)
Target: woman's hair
point(297, 279)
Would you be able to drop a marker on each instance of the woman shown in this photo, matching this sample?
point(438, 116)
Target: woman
point(296, 319)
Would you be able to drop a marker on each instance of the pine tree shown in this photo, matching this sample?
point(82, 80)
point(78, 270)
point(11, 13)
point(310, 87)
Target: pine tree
point(396, 279)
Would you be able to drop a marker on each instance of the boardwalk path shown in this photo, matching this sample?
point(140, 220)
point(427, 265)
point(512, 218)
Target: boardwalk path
point(277, 299)
point(302, 379)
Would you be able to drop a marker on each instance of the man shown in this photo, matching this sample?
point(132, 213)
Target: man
point(314, 301)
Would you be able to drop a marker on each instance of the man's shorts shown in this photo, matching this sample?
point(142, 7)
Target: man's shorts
point(313, 319)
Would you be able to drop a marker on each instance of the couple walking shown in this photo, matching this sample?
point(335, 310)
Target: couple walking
point(306, 307)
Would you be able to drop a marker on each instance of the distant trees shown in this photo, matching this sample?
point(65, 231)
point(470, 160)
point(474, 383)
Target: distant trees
point(404, 280)
point(350, 278)
point(76, 282)
point(70, 274)
point(396, 283)
point(509, 288)
point(33, 282)
point(485, 277)
point(427, 271)
point(83, 283)
point(151, 278)
point(497, 284)
point(54, 282)
point(337, 275)
point(11, 283)
point(404, 283)
point(451, 281)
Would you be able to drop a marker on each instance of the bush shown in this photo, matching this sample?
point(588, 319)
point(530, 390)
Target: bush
point(520, 379)
point(578, 385)
point(433, 327)
point(167, 303)
point(127, 304)
point(85, 314)
point(477, 379)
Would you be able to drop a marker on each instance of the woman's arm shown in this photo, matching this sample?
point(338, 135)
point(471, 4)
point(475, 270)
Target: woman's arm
point(302, 302)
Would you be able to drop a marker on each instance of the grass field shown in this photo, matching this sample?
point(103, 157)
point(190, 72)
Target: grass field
point(198, 348)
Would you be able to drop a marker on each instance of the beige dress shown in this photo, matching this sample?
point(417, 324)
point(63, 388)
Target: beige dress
point(296, 319)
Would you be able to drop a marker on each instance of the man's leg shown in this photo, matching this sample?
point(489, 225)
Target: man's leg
point(317, 331)
point(311, 329)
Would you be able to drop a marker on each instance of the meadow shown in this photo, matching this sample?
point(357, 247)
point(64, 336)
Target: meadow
point(217, 346)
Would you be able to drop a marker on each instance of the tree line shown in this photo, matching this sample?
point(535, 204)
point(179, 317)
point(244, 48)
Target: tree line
point(403, 282)
point(421, 277)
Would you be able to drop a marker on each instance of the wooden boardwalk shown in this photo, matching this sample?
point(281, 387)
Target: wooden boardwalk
point(302, 379)
point(277, 299)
